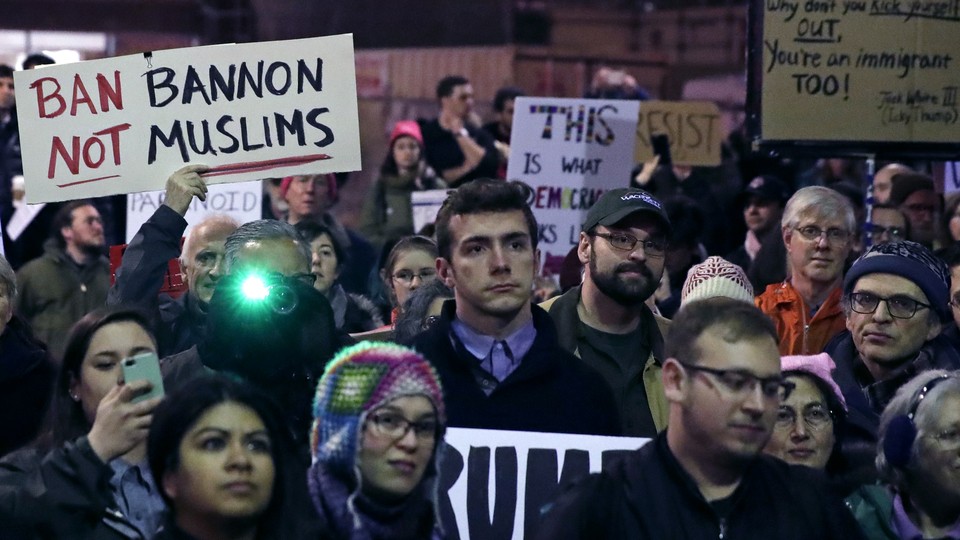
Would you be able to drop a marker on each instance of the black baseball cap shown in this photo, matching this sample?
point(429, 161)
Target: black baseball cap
point(619, 203)
point(766, 188)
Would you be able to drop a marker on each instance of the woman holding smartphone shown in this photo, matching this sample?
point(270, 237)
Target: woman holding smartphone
point(86, 477)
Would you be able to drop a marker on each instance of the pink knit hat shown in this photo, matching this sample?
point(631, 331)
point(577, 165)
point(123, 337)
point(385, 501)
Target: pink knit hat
point(331, 186)
point(716, 277)
point(406, 128)
point(817, 365)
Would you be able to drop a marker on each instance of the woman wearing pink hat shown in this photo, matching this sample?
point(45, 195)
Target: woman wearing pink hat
point(387, 213)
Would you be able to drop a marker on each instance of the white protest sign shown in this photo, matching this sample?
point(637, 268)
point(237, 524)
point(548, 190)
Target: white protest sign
point(570, 151)
point(242, 201)
point(493, 485)
point(250, 111)
point(951, 177)
point(426, 205)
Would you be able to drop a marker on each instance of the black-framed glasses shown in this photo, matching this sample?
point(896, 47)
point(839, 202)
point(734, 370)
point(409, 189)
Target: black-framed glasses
point(814, 415)
point(894, 233)
point(814, 234)
point(628, 242)
point(394, 426)
point(406, 276)
point(898, 306)
point(742, 382)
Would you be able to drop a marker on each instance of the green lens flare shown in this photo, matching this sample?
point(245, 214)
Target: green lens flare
point(255, 288)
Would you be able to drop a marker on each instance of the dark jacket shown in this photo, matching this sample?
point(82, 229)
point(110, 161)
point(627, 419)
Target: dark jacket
point(63, 495)
point(179, 322)
point(551, 390)
point(442, 151)
point(872, 507)
point(27, 372)
point(55, 293)
point(866, 400)
point(645, 390)
point(648, 494)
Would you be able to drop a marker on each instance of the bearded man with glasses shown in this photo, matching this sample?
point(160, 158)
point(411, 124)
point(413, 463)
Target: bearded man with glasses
point(706, 475)
point(896, 302)
point(605, 320)
point(818, 228)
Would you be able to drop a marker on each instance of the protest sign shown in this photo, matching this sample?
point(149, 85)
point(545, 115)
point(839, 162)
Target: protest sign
point(860, 70)
point(242, 201)
point(250, 111)
point(570, 151)
point(425, 206)
point(692, 127)
point(493, 485)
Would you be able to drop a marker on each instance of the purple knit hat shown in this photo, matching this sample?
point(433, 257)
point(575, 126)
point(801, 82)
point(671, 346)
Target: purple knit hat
point(816, 365)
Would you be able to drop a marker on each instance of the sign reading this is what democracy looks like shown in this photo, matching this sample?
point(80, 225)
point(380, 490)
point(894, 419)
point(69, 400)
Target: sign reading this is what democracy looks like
point(570, 151)
point(250, 111)
point(861, 70)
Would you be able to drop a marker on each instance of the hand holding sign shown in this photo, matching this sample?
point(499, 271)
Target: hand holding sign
point(183, 186)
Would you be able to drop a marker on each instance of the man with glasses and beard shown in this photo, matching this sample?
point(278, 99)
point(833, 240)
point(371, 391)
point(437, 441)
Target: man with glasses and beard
point(605, 321)
point(706, 475)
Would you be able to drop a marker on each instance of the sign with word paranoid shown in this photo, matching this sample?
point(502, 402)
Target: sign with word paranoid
point(861, 70)
point(250, 111)
point(570, 151)
point(692, 127)
point(494, 485)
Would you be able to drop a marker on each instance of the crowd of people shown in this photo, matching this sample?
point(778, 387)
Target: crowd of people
point(790, 347)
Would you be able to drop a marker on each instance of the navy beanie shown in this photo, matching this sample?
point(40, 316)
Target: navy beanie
point(911, 261)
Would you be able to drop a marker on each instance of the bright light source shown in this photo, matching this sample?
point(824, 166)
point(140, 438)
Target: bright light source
point(255, 288)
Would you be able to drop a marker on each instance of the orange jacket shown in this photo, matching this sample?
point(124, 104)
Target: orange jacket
point(800, 334)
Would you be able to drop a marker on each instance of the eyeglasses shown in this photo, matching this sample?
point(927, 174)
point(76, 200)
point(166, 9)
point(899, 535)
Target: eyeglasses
point(814, 233)
point(406, 276)
point(895, 233)
point(898, 306)
point(948, 440)
point(815, 416)
point(627, 242)
point(741, 382)
point(395, 426)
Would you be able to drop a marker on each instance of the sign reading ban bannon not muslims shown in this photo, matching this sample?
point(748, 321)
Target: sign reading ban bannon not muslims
point(250, 111)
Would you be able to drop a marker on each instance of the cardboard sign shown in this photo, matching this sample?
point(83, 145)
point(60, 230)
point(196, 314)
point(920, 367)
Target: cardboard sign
point(242, 201)
point(426, 204)
point(860, 70)
point(693, 128)
point(494, 485)
point(570, 151)
point(123, 125)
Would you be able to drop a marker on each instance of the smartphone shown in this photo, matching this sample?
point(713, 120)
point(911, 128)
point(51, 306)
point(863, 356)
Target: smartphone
point(143, 366)
point(661, 146)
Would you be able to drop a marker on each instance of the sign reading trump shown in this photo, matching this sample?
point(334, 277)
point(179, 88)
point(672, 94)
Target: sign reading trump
point(250, 111)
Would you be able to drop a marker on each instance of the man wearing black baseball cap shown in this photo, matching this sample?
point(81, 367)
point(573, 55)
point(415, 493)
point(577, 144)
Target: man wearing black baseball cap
point(762, 201)
point(605, 321)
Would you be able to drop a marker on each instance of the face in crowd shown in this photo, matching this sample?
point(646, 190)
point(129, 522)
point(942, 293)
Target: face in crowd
point(625, 260)
point(412, 269)
point(278, 255)
point(8, 97)
point(492, 264)
point(803, 433)
point(203, 258)
point(888, 225)
point(817, 247)
point(225, 469)
point(85, 230)
point(890, 319)
point(921, 208)
point(761, 215)
point(398, 441)
point(406, 153)
point(460, 101)
point(308, 195)
point(324, 263)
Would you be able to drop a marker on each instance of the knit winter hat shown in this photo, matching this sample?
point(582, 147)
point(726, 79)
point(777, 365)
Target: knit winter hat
point(408, 128)
point(713, 277)
point(331, 186)
point(909, 260)
point(360, 379)
point(817, 365)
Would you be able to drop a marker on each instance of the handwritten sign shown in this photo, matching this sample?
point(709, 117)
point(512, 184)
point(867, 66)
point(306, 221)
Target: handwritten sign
point(570, 151)
point(693, 128)
point(861, 70)
point(493, 485)
point(242, 201)
point(122, 125)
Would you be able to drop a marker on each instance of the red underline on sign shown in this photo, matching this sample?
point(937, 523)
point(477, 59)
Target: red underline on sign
point(88, 181)
point(254, 166)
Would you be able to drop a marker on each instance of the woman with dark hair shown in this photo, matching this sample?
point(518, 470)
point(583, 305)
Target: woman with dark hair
point(224, 458)
point(352, 312)
point(87, 475)
point(387, 212)
point(379, 418)
point(420, 311)
point(811, 418)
